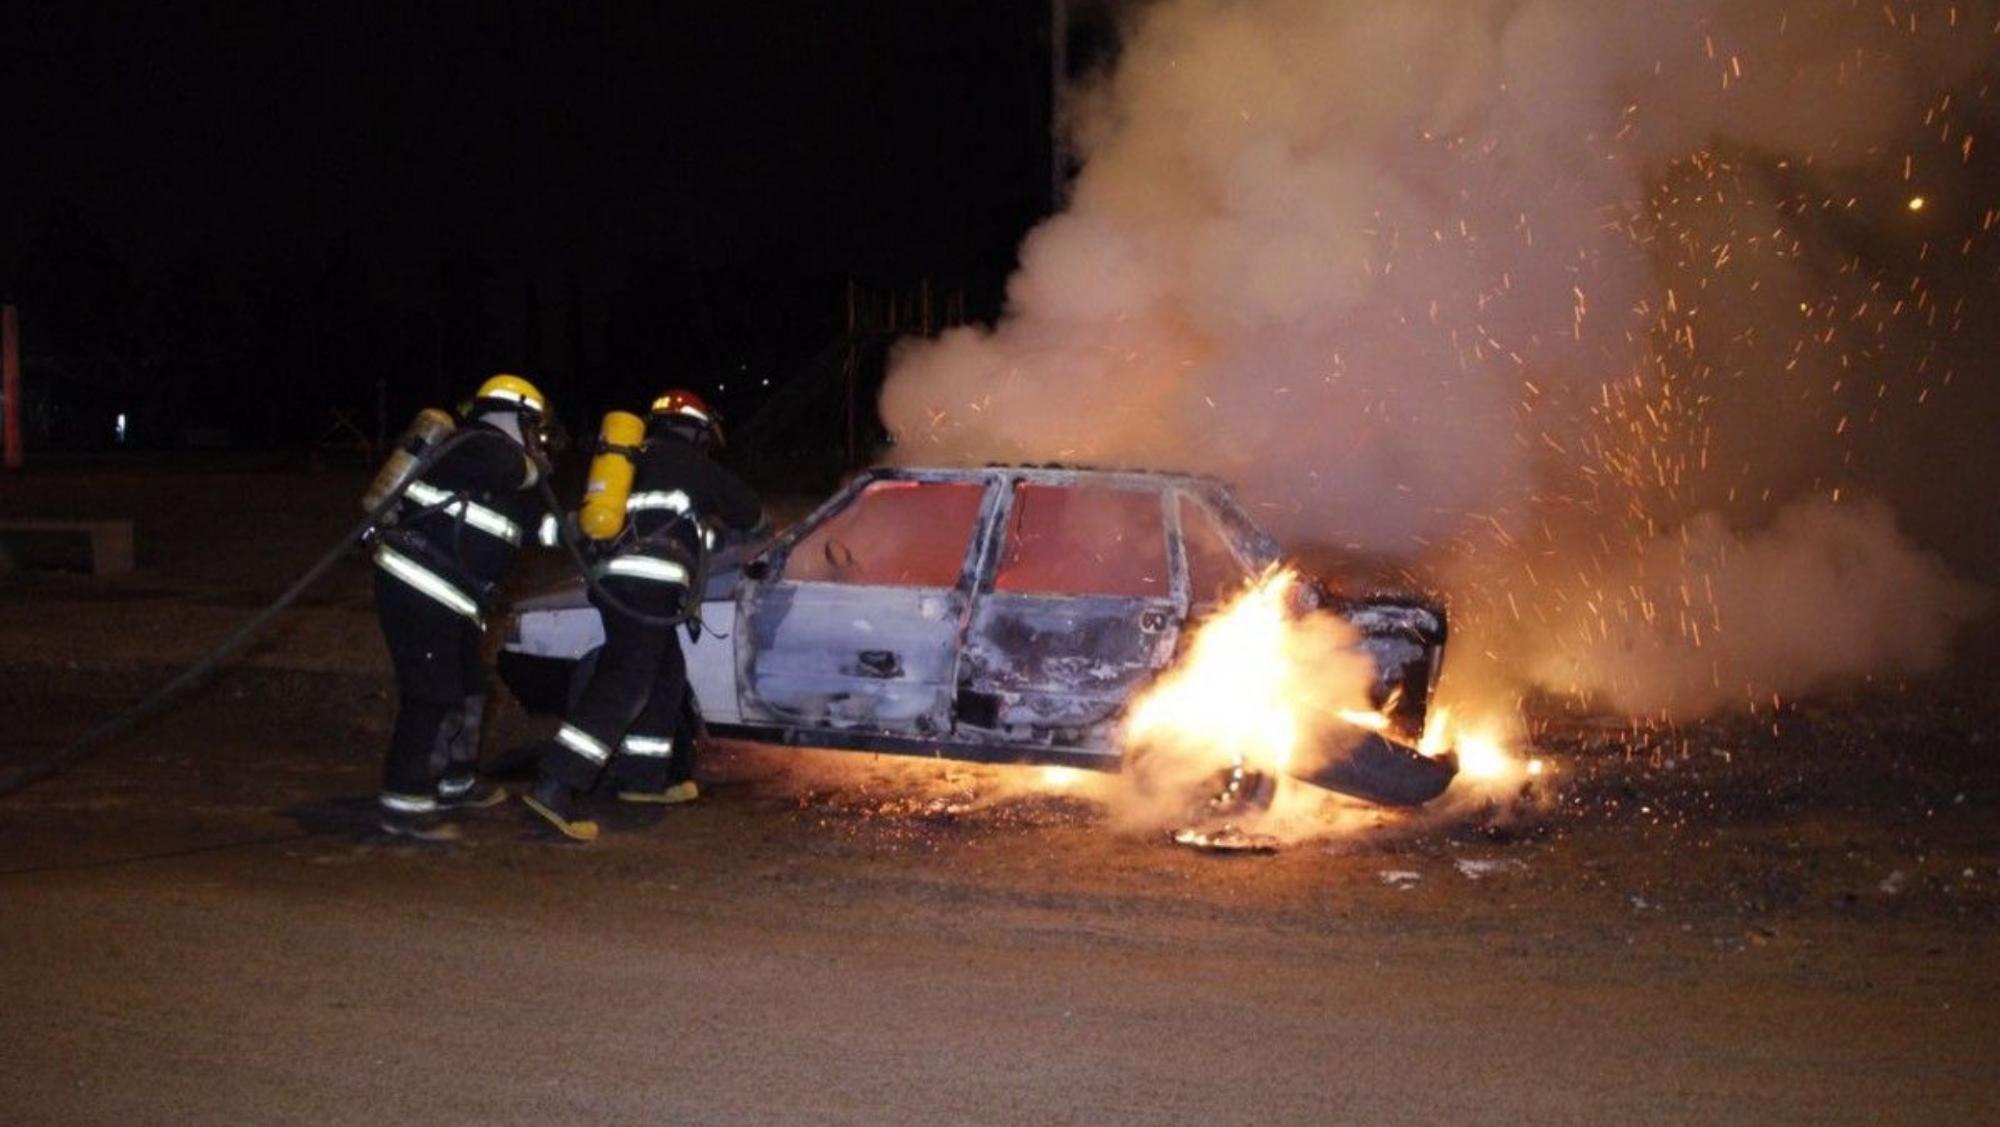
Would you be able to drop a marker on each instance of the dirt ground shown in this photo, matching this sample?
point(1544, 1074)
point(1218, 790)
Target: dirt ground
point(1785, 919)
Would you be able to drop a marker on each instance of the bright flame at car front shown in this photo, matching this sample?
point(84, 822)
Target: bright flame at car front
point(1237, 694)
point(1484, 754)
point(1481, 757)
point(1269, 691)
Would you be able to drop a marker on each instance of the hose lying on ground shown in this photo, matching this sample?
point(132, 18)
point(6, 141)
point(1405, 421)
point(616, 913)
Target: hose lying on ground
point(14, 778)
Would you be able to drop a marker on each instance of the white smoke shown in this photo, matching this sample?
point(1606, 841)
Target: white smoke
point(1512, 289)
point(1827, 594)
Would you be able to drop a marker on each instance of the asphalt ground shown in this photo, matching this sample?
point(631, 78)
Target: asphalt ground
point(1787, 918)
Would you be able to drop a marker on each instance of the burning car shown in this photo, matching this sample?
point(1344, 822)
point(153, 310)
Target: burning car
point(999, 614)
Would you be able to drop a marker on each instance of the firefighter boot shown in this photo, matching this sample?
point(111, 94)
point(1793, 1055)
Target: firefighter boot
point(417, 819)
point(556, 805)
point(683, 791)
point(469, 792)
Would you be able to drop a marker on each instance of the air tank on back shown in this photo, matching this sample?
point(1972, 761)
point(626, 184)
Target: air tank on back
point(425, 432)
point(603, 513)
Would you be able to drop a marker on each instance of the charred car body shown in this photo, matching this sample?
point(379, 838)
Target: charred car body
point(1004, 614)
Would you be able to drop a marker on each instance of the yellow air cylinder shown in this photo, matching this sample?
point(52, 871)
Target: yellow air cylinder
point(603, 512)
point(430, 427)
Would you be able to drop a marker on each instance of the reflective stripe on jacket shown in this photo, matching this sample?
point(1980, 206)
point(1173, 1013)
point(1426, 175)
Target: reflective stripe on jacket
point(428, 582)
point(473, 513)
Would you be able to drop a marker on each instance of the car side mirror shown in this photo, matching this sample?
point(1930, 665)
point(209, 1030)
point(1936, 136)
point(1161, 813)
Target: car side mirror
point(757, 570)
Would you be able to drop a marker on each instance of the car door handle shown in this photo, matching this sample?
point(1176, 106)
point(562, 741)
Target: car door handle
point(880, 663)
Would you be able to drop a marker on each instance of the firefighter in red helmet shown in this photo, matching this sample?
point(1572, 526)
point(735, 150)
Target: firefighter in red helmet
point(624, 724)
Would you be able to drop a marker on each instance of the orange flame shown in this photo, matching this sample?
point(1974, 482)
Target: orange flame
point(1259, 686)
point(1235, 694)
point(1484, 754)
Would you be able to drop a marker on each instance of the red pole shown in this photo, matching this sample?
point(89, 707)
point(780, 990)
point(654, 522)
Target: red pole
point(10, 382)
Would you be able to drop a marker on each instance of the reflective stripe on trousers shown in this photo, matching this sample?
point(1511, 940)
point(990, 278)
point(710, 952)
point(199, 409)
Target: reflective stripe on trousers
point(427, 581)
point(407, 803)
point(583, 743)
point(650, 746)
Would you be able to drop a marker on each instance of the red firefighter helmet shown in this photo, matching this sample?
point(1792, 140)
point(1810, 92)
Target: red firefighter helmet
point(682, 409)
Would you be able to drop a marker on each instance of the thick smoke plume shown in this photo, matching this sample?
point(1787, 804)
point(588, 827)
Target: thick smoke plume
point(1586, 311)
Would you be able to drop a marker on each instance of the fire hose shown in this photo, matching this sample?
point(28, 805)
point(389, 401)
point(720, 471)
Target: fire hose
point(194, 676)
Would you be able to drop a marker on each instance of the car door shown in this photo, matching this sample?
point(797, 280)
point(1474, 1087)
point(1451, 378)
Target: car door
point(854, 621)
point(1218, 563)
point(1080, 605)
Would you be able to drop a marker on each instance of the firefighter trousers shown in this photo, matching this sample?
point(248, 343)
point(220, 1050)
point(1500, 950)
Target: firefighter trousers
point(440, 696)
point(626, 719)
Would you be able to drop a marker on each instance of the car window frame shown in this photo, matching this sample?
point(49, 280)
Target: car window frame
point(1232, 534)
point(779, 553)
point(1254, 547)
point(1003, 498)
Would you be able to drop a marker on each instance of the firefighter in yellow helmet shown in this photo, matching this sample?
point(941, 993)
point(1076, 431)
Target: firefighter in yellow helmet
point(624, 726)
point(439, 561)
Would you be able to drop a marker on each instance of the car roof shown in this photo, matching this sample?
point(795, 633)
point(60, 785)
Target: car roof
point(1051, 473)
point(1244, 528)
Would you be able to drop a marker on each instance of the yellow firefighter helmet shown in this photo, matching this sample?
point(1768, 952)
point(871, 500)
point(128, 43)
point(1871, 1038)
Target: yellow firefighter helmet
point(510, 389)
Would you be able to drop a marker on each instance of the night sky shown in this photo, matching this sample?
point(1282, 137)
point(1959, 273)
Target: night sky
point(607, 196)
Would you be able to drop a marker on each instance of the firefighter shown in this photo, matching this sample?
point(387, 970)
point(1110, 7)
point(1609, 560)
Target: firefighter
point(438, 565)
point(623, 725)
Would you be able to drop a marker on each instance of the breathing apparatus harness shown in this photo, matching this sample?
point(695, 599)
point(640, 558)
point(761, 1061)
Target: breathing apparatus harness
point(429, 437)
point(626, 538)
point(534, 440)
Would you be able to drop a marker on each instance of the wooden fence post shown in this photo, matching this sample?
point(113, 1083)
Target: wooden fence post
point(10, 382)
